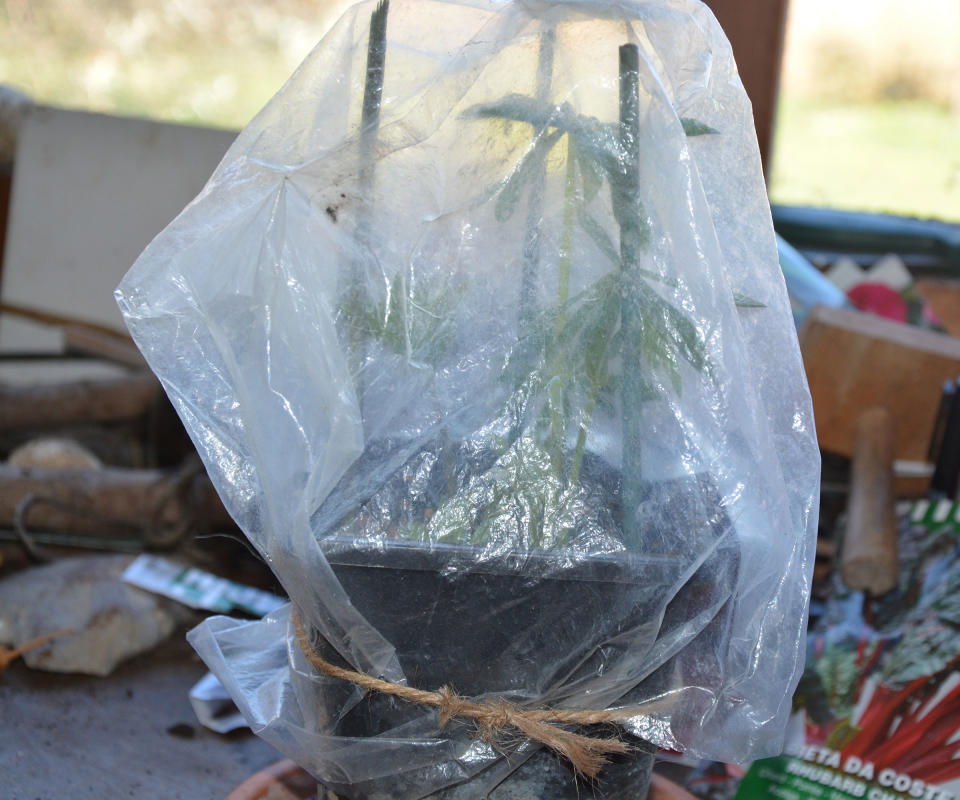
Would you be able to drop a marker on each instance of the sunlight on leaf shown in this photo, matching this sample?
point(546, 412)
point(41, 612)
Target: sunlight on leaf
point(744, 301)
point(693, 127)
point(509, 196)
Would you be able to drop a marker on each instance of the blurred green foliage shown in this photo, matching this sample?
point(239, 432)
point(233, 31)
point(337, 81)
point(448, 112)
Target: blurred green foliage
point(870, 116)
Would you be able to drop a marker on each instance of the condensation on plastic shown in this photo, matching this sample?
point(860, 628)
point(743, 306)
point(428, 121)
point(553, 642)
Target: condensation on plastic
point(391, 348)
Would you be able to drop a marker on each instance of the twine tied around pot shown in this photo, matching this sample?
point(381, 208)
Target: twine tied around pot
point(587, 754)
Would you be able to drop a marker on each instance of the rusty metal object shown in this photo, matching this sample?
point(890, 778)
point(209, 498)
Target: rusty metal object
point(154, 508)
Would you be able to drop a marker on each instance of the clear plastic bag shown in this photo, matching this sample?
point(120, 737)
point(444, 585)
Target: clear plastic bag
point(487, 350)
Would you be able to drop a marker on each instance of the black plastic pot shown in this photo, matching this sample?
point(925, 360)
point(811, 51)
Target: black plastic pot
point(522, 623)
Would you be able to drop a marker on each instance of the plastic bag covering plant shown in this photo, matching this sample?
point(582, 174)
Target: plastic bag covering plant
point(498, 301)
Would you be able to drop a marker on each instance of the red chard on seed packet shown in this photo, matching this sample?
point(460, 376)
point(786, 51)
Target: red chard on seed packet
point(878, 707)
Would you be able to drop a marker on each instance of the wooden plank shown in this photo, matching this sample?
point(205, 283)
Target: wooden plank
point(89, 342)
point(77, 402)
point(106, 502)
point(868, 560)
point(855, 360)
point(943, 295)
point(89, 193)
point(756, 30)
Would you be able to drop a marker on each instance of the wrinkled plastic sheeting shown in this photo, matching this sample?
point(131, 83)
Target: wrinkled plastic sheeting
point(384, 343)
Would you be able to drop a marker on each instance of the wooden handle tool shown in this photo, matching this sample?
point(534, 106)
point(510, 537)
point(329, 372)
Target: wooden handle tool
point(868, 560)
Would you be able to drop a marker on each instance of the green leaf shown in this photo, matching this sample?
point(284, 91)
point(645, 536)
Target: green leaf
point(600, 237)
point(673, 372)
point(672, 332)
point(590, 172)
point(693, 127)
point(606, 246)
point(744, 301)
point(526, 168)
point(416, 324)
point(609, 395)
point(590, 310)
point(597, 140)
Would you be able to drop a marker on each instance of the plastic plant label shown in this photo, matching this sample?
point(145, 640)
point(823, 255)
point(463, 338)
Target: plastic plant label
point(198, 589)
point(214, 707)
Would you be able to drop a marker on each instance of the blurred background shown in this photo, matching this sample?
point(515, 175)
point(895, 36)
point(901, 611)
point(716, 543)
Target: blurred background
point(868, 114)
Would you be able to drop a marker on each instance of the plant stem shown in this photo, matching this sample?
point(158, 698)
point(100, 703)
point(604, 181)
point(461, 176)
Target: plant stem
point(558, 434)
point(576, 463)
point(632, 234)
point(531, 244)
point(566, 243)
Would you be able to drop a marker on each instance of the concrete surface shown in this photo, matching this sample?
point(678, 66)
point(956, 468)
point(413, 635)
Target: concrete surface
point(130, 735)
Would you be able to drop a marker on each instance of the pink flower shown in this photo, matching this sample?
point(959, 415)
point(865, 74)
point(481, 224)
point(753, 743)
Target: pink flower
point(879, 299)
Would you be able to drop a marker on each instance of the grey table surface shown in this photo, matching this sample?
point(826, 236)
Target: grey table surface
point(132, 734)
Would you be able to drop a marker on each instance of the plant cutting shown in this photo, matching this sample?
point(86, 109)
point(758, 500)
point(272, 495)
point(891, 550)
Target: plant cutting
point(464, 346)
